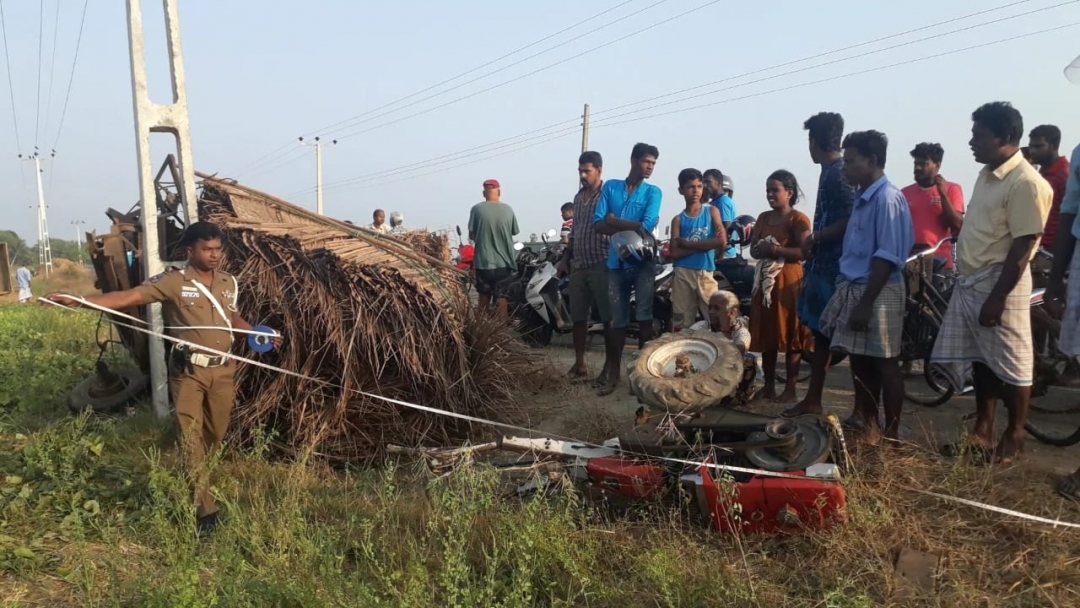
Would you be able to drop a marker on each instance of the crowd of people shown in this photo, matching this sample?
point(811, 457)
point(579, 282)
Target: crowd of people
point(834, 282)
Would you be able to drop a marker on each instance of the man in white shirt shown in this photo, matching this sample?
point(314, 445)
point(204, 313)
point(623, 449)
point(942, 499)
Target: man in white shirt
point(379, 223)
point(23, 276)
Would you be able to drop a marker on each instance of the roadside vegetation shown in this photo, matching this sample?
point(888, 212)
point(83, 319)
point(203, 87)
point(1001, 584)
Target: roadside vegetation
point(94, 512)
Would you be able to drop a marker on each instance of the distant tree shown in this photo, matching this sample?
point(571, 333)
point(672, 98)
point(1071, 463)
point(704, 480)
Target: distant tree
point(67, 250)
point(18, 251)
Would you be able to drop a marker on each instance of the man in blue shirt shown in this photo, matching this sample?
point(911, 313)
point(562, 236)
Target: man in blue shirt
point(1066, 257)
point(628, 205)
point(716, 196)
point(865, 317)
point(823, 246)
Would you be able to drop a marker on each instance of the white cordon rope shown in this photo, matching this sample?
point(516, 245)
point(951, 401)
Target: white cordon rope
point(503, 425)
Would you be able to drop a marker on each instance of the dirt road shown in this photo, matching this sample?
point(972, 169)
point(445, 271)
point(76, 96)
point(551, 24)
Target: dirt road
point(576, 411)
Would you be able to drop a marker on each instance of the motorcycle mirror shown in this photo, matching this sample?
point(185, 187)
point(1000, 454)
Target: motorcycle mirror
point(458, 230)
point(1072, 71)
point(518, 246)
point(551, 233)
point(667, 230)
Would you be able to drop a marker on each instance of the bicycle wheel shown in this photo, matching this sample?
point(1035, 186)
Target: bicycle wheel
point(941, 389)
point(1054, 417)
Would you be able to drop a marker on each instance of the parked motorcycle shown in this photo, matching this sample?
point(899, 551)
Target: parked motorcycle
point(541, 300)
point(737, 274)
point(466, 254)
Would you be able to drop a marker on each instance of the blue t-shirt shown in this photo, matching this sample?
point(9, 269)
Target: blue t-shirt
point(727, 215)
point(642, 206)
point(698, 228)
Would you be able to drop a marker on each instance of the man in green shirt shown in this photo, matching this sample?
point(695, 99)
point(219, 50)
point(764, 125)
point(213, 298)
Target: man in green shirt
point(492, 226)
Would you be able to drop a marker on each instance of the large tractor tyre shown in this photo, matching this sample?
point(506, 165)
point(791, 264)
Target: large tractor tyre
point(716, 370)
point(107, 396)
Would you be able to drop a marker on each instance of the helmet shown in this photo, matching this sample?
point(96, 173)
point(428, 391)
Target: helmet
point(631, 247)
point(741, 229)
point(396, 218)
point(727, 184)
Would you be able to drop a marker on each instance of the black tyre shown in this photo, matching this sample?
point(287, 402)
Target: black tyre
point(942, 390)
point(1054, 418)
point(718, 369)
point(129, 385)
point(534, 331)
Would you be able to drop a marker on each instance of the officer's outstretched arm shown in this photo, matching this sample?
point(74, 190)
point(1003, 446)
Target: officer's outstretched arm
point(116, 300)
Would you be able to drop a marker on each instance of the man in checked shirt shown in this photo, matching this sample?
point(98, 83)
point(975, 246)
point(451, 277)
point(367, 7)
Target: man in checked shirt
point(585, 260)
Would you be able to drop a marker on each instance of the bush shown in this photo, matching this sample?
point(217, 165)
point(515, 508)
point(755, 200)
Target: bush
point(43, 353)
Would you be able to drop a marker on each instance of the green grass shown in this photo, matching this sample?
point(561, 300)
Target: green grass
point(96, 512)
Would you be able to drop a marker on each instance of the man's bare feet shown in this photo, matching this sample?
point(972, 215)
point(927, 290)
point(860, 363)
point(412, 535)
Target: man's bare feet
point(802, 408)
point(768, 392)
point(787, 396)
point(1007, 450)
point(608, 387)
point(1069, 486)
point(577, 372)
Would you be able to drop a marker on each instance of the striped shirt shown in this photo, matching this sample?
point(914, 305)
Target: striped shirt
point(587, 246)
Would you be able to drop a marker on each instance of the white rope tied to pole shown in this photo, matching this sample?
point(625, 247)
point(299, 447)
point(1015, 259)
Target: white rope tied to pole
point(528, 431)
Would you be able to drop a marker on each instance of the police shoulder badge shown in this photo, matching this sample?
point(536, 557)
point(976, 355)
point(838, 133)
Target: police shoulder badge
point(156, 278)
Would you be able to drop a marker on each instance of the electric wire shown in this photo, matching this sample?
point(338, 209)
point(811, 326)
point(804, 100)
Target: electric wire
point(52, 67)
point(377, 183)
point(41, 33)
point(441, 159)
point(526, 75)
point(11, 87)
point(71, 77)
point(286, 146)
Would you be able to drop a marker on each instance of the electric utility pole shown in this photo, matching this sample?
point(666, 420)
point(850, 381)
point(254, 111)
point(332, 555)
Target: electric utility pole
point(585, 130)
point(318, 145)
point(151, 117)
point(78, 237)
point(45, 259)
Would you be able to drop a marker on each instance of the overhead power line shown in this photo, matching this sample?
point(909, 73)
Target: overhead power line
point(288, 145)
point(377, 183)
point(451, 157)
point(41, 34)
point(52, 67)
point(532, 73)
point(11, 87)
point(71, 77)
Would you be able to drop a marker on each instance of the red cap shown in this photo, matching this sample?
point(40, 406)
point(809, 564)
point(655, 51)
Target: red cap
point(492, 184)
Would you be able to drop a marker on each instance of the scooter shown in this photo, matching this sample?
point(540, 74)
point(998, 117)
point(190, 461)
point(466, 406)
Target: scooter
point(547, 298)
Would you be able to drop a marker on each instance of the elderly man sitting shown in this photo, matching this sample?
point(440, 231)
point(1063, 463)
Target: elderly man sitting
point(724, 319)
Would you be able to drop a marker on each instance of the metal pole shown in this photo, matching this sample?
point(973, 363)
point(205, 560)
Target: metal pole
point(150, 118)
point(44, 246)
point(318, 175)
point(317, 143)
point(585, 130)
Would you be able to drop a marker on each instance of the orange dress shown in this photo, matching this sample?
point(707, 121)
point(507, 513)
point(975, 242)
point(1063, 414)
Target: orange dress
point(778, 328)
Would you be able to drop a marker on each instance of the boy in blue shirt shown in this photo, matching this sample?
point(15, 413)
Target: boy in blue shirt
point(628, 205)
point(696, 235)
point(718, 196)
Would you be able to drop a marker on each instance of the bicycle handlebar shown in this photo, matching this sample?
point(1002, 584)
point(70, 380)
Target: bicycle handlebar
point(932, 250)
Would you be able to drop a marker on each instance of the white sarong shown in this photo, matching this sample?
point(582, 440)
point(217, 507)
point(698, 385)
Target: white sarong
point(1005, 349)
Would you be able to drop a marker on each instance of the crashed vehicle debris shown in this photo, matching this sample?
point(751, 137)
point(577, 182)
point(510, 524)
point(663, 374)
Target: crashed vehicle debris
point(738, 471)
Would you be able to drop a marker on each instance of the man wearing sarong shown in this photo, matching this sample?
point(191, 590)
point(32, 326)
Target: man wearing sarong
point(823, 246)
point(1066, 257)
point(987, 328)
point(864, 318)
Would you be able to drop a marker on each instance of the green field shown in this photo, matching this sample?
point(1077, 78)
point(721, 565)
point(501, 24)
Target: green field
point(93, 512)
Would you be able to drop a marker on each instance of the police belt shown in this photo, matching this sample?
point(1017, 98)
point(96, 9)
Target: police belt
point(186, 358)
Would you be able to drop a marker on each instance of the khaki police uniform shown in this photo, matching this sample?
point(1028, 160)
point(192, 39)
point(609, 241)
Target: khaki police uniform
point(202, 390)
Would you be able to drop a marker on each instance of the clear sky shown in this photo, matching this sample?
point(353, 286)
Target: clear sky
point(260, 74)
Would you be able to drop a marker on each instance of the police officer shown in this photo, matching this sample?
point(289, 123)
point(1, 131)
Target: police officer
point(199, 306)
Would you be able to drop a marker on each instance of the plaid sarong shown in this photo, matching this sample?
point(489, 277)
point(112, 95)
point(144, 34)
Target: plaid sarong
point(886, 322)
point(1070, 323)
point(1005, 349)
